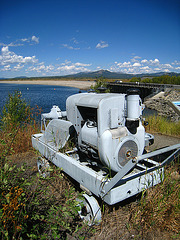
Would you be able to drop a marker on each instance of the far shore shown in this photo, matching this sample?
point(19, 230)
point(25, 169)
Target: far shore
point(84, 85)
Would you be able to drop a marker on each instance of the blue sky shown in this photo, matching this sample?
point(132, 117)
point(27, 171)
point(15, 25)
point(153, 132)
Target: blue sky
point(46, 38)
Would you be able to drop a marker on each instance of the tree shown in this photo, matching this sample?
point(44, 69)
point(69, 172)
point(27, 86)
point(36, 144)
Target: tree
point(15, 112)
point(101, 83)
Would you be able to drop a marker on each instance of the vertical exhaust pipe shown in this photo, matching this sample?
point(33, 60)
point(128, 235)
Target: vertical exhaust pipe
point(133, 110)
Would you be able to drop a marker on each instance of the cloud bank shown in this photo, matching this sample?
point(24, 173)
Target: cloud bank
point(13, 64)
point(138, 65)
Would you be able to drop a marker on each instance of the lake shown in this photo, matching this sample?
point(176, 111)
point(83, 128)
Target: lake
point(44, 96)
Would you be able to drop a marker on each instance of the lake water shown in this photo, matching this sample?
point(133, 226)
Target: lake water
point(44, 96)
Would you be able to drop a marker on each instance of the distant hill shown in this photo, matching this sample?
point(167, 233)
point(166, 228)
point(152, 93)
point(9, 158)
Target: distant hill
point(116, 75)
point(20, 77)
point(101, 73)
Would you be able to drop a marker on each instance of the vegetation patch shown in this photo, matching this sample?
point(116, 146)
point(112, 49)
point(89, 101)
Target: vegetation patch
point(159, 207)
point(163, 125)
point(32, 207)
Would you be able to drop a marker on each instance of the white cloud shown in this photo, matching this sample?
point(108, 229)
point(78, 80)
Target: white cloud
point(102, 44)
point(145, 69)
point(135, 59)
point(10, 61)
point(82, 64)
point(70, 47)
point(145, 66)
point(6, 68)
point(20, 42)
point(144, 61)
point(35, 39)
point(8, 57)
point(63, 69)
point(136, 64)
point(24, 40)
point(41, 68)
point(125, 64)
point(167, 65)
point(68, 67)
point(18, 67)
point(74, 40)
point(157, 69)
point(5, 50)
point(155, 61)
point(176, 62)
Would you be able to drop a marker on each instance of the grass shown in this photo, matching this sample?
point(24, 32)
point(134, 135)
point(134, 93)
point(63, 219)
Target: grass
point(31, 207)
point(163, 126)
point(36, 208)
point(159, 207)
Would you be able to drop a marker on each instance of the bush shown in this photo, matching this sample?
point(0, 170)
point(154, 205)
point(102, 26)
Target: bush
point(17, 124)
point(100, 83)
point(31, 207)
point(16, 111)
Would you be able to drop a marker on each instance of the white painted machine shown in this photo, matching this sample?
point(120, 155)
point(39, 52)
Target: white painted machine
point(109, 138)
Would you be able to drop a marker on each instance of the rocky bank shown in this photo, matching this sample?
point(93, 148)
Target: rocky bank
point(161, 103)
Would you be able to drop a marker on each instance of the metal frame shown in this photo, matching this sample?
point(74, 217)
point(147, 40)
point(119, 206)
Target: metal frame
point(123, 185)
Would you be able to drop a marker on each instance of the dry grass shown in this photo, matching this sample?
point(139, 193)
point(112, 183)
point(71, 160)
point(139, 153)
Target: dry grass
point(159, 208)
point(17, 140)
point(162, 125)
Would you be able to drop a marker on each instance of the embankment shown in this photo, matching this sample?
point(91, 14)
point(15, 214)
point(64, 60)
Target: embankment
point(67, 83)
point(160, 103)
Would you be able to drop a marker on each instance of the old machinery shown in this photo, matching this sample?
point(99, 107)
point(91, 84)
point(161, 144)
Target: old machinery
point(109, 141)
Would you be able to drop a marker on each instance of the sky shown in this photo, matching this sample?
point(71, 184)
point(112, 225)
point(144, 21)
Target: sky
point(56, 38)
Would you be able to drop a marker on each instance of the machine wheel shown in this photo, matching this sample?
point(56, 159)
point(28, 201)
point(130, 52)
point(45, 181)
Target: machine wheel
point(43, 167)
point(90, 211)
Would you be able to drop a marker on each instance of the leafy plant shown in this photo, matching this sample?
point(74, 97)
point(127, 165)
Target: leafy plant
point(15, 112)
point(31, 207)
point(17, 124)
point(101, 83)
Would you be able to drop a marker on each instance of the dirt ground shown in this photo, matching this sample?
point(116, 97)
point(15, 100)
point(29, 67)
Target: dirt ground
point(163, 141)
point(116, 219)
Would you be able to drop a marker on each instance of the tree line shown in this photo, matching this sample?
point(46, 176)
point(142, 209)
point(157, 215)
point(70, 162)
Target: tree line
point(165, 79)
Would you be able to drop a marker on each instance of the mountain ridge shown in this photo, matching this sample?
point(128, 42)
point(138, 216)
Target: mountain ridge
point(101, 73)
point(116, 75)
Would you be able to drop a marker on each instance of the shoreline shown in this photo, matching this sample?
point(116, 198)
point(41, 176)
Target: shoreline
point(83, 85)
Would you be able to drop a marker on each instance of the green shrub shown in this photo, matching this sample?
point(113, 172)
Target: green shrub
point(100, 83)
point(15, 112)
point(17, 124)
point(32, 207)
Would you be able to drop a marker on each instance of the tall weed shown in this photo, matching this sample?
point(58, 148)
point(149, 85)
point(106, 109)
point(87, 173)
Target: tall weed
point(163, 125)
point(17, 124)
point(159, 207)
point(31, 207)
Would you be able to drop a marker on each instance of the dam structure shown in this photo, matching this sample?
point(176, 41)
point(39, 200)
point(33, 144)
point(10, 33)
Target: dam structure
point(146, 89)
